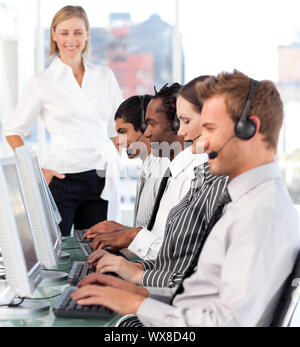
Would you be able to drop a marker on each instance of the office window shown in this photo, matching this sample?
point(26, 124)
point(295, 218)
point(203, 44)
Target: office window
point(136, 39)
point(8, 65)
point(259, 38)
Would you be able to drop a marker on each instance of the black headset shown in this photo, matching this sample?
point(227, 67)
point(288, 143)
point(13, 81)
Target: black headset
point(144, 124)
point(175, 124)
point(245, 128)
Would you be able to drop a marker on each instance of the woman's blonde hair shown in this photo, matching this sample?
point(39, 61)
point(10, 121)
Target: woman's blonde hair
point(64, 14)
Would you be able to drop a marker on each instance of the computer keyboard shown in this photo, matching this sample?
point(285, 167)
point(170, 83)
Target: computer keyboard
point(79, 271)
point(66, 307)
point(87, 250)
point(79, 236)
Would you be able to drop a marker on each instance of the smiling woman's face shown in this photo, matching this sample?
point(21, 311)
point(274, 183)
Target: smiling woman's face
point(71, 37)
point(190, 125)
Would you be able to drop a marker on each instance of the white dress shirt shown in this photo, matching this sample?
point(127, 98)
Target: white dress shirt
point(244, 263)
point(148, 243)
point(80, 121)
point(149, 179)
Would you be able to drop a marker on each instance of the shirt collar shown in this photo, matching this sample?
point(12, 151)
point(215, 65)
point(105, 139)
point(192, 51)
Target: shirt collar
point(146, 168)
point(251, 179)
point(202, 174)
point(208, 177)
point(182, 161)
point(155, 166)
point(88, 65)
point(57, 66)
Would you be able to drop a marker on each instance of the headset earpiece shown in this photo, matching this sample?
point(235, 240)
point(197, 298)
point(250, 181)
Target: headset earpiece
point(175, 124)
point(245, 128)
point(144, 124)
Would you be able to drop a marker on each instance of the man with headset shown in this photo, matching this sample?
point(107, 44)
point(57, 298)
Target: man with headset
point(162, 127)
point(246, 253)
point(130, 126)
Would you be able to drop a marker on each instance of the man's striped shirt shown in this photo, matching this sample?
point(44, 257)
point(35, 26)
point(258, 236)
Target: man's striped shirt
point(184, 226)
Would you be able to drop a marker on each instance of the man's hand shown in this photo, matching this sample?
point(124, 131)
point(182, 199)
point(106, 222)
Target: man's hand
point(106, 262)
point(103, 227)
point(116, 240)
point(49, 174)
point(117, 295)
point(111, 281)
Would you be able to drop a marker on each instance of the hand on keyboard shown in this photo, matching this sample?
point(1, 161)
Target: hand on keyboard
point(117, 240)
point(100, 290)
point(104, 227)
point(80, 270)
point(106, 262)
point(67, 307)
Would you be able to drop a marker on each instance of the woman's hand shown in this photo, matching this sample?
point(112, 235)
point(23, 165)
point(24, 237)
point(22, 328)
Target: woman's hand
point(49, 174)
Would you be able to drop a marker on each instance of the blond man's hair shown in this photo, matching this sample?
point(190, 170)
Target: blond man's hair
point(62, 15)
point(235, 87)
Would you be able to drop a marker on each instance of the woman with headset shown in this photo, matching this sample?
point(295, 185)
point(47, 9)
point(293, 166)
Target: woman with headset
point(77, 101)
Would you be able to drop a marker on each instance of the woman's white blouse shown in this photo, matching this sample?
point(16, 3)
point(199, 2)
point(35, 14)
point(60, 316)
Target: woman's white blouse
point(80, 121)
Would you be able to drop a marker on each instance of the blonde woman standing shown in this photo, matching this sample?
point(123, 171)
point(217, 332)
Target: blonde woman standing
point(77, 101)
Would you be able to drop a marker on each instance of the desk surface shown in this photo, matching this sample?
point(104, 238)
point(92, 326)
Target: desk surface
point(48, 319)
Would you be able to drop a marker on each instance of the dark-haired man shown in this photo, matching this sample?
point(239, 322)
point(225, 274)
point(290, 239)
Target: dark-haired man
point(130, 126)
point(160, 116)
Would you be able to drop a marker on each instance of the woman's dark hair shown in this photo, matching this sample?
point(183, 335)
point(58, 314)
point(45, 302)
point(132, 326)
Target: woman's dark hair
point(133, 109)
point(188, 92)
point(169, 97)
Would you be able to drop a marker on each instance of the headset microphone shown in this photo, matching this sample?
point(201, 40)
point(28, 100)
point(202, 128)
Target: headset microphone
point(213, 155)
point(132, 150)
point(189, 143)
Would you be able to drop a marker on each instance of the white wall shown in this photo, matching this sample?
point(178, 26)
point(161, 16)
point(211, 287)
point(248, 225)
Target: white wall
point(8, 83)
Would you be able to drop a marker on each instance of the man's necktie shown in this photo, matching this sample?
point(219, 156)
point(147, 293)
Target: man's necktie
point(223, 201)
point(140, 186)
point(160, 193)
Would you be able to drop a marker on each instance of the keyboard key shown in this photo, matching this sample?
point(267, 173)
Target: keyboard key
point(66, 307)
point(79, 271)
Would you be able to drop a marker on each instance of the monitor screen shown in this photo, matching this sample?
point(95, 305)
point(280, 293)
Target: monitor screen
point(54, 208)
point(20, 214)
point(45, 200)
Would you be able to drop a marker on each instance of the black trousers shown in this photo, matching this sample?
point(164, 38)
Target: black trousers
point(78, 200)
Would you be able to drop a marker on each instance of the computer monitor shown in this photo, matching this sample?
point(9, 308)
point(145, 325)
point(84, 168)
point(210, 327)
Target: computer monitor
point(55, 215)
point(47, 243)
point(41, 210)
point(22, 267)
point(54, 209)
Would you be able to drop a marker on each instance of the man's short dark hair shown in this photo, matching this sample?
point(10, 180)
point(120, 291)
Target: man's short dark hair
point(168, 94)
point(132, 108)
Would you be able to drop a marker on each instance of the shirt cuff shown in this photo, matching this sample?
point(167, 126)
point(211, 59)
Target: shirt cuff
point(159, 278)
point(146, 245)
point(165, 294)
point(15, 133)
point(152, 313)
point(147, 264)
